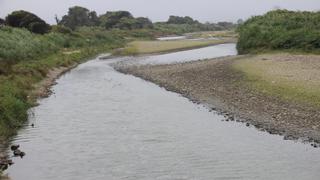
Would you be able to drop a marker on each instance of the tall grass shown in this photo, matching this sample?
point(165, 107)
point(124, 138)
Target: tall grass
point(20, 44)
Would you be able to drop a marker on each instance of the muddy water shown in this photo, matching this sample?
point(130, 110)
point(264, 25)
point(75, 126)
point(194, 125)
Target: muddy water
point(101, 124)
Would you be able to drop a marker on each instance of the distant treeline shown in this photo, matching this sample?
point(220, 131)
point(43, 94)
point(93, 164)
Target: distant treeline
point(79, 16)
point(280, 30)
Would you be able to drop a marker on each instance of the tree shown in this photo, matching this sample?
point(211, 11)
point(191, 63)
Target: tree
point(124, 20)
point(93, 19)
point(2, 22)
point(24, 19)
point(111, 19)
point(57, 19)
point(181, 20)
point(79, 16)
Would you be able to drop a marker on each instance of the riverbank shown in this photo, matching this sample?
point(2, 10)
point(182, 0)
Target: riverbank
point(226, 85)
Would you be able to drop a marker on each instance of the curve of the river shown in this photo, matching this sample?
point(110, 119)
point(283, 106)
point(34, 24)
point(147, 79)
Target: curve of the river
point(101, 124)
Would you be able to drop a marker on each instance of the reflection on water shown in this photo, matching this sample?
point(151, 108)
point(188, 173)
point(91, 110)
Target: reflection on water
point(101, 124)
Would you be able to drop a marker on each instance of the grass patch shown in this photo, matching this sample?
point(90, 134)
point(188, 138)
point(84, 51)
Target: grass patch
point(290, 77)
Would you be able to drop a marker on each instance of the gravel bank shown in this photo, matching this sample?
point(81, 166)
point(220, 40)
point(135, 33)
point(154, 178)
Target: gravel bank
point(215, 83)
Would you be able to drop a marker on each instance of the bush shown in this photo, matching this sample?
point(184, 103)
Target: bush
point(13, 106)
point(280, 30)
point(19, 44)
point(24, 19)
point(61, 29)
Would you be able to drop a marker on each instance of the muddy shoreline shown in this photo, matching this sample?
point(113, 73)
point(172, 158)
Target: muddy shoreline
point(216, 84)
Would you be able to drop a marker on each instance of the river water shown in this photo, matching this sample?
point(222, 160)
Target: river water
point(101, 124)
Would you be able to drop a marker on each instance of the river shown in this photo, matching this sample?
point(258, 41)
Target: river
point(101, 124)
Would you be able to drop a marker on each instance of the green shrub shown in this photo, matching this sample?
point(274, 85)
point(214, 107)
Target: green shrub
point(13, 106)
point(61, 29)
point(280, 30)
point(19, 44)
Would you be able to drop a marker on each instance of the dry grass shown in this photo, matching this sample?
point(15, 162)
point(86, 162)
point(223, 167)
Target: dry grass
point(293, 77)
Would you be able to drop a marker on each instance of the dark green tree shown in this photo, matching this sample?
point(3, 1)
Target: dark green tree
point(94, 19)
point(56, 19)
point(79, 16)
point(24, 19)
point(181, 20)
point(2, 21)
point(112, 19)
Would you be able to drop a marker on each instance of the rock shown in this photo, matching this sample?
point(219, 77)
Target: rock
point(15, 147)
point(247, 124)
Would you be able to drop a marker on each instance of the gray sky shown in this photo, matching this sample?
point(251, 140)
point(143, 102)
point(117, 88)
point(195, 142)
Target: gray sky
point(159, 10)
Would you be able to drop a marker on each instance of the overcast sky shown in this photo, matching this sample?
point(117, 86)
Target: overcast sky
point(159, 10)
